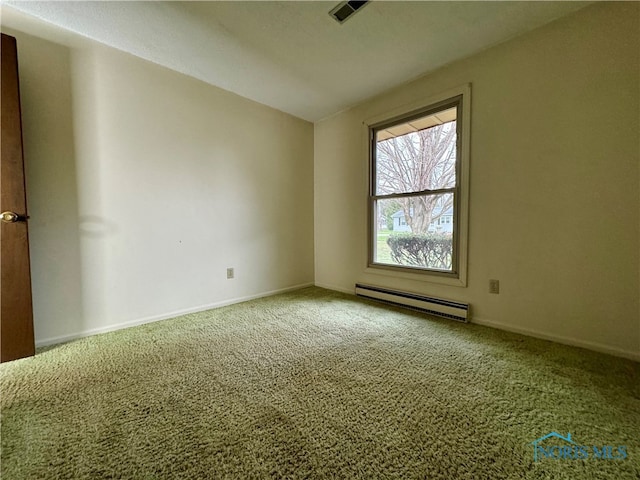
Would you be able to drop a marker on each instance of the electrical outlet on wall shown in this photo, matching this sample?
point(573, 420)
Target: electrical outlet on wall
point(494, 286)
point(230, 273)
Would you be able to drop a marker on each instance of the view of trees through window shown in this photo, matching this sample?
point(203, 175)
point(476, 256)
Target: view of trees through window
point(415, 169)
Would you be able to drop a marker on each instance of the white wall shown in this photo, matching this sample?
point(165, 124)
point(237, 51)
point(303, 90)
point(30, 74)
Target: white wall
point(144, 185)
point(555, 150)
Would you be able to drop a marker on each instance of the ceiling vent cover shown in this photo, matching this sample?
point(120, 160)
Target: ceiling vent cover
point(344, 10)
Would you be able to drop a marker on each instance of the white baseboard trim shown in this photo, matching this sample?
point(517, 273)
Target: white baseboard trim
point(165, 316)
point(337, 289)
point(598, 347)
point(574, 342)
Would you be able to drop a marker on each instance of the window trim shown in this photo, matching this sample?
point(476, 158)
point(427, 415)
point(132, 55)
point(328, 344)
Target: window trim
point(461, 207)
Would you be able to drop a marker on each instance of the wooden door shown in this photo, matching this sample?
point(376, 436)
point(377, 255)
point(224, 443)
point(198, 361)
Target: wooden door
point(16, 312)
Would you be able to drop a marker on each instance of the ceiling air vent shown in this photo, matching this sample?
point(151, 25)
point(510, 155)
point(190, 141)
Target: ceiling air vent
point(344, 10)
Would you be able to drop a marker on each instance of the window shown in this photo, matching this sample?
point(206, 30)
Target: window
point(419, 174)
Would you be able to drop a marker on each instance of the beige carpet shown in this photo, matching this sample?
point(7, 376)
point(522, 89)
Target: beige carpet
point(315, 384)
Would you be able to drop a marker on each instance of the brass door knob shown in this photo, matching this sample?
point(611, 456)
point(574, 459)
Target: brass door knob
point(12, 217)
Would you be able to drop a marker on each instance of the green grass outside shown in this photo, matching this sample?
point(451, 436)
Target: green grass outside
point(382, 249)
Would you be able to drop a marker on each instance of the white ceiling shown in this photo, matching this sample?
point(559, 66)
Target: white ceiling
point(292, 55)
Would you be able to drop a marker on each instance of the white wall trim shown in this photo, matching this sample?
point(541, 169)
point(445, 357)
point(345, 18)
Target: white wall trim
point(574, 342)
point(426, 277)
point(337, 289)
point(164, 316)
point(598, 347)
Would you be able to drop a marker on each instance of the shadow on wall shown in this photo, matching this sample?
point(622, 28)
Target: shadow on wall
point(52, 189)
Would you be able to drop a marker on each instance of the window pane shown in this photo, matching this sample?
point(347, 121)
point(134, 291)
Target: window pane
point(415, 231)
point(417, 155)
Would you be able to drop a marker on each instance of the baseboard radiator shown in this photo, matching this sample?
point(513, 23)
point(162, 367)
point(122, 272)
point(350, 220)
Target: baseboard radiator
point(435, 306)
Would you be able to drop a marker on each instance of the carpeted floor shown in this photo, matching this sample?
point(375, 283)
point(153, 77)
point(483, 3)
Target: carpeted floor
point(316, 384)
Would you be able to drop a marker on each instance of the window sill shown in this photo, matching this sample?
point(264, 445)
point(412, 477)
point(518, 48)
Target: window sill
point(420, 277)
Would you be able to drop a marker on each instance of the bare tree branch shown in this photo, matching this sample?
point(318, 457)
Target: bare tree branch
point(423, 160)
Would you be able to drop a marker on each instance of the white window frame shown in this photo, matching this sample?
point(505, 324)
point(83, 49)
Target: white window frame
point(459, 278)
